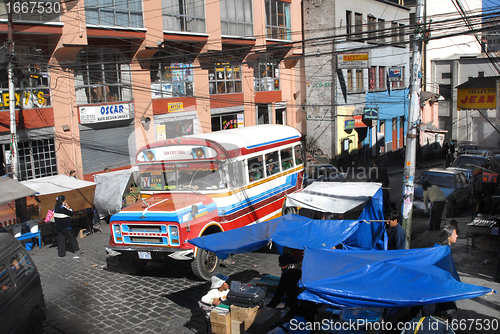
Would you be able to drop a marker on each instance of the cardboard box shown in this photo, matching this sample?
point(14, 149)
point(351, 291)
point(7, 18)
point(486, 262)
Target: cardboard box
point(241, 313)
point(131, 199)
point(237, 327)
point(263, 320)
point(221, 323)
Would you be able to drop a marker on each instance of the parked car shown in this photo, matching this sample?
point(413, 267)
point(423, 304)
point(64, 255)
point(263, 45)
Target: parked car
point(465, 147)
point(21, 297)
point(324, 173)
point(454, 184)
point(481, 170)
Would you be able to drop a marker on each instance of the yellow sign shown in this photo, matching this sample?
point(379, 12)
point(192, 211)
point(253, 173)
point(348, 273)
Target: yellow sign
point(161, 134)
point(478, 98)
point(175, 107)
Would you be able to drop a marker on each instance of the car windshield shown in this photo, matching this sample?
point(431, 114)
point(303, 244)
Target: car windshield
point(439, 179)
point(467, 161)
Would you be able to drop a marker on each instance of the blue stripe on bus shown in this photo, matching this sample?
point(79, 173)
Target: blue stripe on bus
point(272, 142)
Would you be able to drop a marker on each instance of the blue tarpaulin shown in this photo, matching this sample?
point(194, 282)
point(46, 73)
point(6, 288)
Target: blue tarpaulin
point(387, 279)
point(294, 232)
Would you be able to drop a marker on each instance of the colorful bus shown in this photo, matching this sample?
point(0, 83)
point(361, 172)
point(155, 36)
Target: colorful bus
point(202, 184)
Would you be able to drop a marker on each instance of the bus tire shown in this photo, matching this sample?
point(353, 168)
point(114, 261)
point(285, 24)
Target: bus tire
point(131, 266)
point(205, 264)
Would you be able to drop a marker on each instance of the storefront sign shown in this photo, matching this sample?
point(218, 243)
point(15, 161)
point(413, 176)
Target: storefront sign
point(352, 60)
point(395, 74)
point(479, 98)
point(370, 113)
point(241, 120)
point(106, 113)
point(349, 124)
point(28, 99)
point(358, 122)
point(161, 133)
point(175, 107)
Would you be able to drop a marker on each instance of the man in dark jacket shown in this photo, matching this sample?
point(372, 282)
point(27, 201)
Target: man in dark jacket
point(62, 216)
point(395, 232)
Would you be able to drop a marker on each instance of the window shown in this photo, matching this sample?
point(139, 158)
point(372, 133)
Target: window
point(114, 13)
point(51, 13)
point(32, 80)
point(6, 282)
point(272, 163)
point(372, 78)
point(298, 155)
point(350, 86)
point(226, 121)
point(267, 76)
point(102, 75)
point(381, 77)
point(401, 32)
point(446, 75)
point(169, 78)
point(37, 159)
point(225, 78)
point(286, 158)
point(381, 33)
point(236, 17)
point(280, 115)
point(359, 79)
point(358, 25)
point(278, 25)
point(21, 266)
point(372, 26)
point(255, 168)
point(394, 33)
point(184, 15)
point(445, 91)
point(348, 23)
point(263, 114)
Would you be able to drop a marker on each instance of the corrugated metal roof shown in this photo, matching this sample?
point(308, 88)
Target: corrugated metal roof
point(482, 82)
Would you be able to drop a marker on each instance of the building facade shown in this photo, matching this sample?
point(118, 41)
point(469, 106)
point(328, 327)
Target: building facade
point(356, 56)
point(98, 79)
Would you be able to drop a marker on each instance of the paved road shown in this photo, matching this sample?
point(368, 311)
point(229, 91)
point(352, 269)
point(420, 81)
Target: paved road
point(91, 295)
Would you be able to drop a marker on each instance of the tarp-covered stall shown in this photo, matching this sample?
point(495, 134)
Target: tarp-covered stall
point(292, 231)
point(387, 279)
point(11, 190)
point(79, 194)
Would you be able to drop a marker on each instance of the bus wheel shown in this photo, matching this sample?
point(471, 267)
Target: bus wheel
point(131, 266)
point(205, 264)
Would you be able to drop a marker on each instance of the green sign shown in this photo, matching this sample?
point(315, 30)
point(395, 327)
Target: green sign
point(349, 124)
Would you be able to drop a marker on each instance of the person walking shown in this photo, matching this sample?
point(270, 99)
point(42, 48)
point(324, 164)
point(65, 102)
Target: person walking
point(62, 216)
point(434, 194)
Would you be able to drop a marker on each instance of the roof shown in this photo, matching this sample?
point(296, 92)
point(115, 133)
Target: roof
point(481, 82)
point(56, 184)
point(12, 190)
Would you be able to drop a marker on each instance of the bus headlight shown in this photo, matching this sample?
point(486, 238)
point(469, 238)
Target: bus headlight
point(174, 231)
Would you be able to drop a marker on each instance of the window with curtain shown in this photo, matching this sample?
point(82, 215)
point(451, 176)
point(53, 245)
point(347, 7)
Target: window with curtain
point(267, 75)
point(114, 13)
point(170, 76)
point(184, 15)
point(236, 17)
point(372, 78)
point(358, 25)
point(102, 75)
point(372, 26)
point(278, 20)
point(359, 80)
point(225, 78)
point(350, 85)
point(381, 77)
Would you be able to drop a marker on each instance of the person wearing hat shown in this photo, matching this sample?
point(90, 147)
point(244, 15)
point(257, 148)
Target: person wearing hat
point(218, 290)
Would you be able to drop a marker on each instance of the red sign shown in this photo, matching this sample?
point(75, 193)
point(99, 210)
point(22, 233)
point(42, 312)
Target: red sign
point(358, 122)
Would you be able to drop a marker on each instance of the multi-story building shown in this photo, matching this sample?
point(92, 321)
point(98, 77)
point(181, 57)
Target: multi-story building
point(357, 62)
point(97, 79)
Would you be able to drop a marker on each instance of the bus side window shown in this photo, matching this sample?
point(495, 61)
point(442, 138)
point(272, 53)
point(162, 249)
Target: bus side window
point(255, 169)
point(297, 150)
point(272, 163)
point(236, 173)
point(286, 158)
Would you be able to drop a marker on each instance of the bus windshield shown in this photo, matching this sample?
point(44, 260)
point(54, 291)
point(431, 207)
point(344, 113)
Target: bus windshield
point(182, 177)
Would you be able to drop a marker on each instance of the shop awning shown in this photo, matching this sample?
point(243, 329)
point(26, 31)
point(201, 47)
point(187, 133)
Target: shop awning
point(12, 190)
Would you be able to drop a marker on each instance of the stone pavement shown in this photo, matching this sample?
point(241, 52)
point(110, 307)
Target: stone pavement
point(90, 294)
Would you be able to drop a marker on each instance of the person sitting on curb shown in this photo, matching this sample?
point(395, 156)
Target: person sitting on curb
point(218, 290)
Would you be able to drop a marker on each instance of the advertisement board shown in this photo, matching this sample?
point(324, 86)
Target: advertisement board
point(106, 113)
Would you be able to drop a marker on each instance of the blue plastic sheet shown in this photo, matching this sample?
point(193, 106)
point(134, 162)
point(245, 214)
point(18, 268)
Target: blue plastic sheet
point(383, 279)
point(291, 231)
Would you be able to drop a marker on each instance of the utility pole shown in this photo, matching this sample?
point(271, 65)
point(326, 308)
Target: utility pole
point(413, 123)
point(12, 98)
